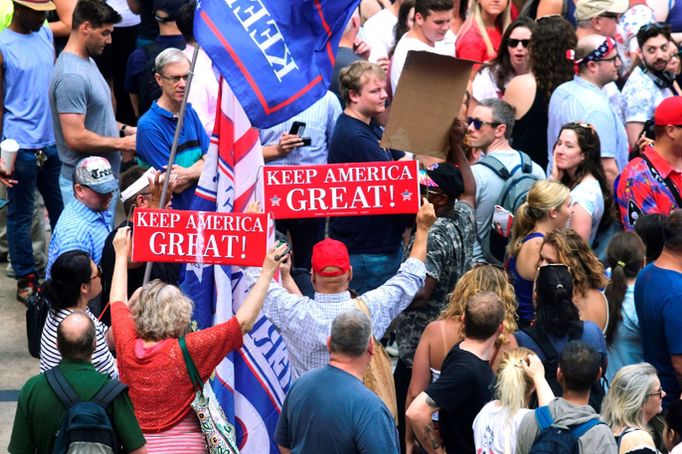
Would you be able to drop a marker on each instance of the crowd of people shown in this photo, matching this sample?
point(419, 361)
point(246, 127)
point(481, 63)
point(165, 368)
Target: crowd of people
point(530, 305)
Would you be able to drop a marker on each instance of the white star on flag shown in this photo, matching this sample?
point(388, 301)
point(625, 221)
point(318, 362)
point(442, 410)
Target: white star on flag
point(407, 195)
point(275, 201)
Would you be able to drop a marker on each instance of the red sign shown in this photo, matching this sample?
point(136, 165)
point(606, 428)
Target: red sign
point(360, 188)
point(199, 237)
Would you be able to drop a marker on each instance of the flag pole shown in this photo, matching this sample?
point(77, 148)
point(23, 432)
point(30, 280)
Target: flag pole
point(174, 146)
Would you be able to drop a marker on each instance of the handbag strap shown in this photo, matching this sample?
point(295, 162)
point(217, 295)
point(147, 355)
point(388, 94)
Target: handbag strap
point(191, 368)
point(669, 184)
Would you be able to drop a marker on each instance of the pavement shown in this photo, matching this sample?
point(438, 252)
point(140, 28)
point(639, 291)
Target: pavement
point(16, 365)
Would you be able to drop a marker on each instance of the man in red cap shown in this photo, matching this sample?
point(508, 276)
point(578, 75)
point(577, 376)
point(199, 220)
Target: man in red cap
point(304, 323)
point(652, 183)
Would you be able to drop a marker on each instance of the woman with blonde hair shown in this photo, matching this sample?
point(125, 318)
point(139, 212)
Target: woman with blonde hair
point(521, 373)
point(567, 247)
point(547, 207)
point(441, 335)
point(634, 398)
point(481, 35)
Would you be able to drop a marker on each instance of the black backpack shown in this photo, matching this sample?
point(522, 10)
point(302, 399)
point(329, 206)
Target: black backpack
point(86, 426)
point(37, 308)
point(558, 440)
point(551, 363)
point(148, 90)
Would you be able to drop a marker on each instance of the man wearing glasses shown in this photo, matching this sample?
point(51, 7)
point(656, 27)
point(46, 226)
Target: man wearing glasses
point(582, 99)
point(86, 220)
point(157, 128)
point(598, 17)
point(649, 83)
point(489, 129)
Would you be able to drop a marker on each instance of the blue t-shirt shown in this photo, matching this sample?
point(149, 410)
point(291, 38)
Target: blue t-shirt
point(592, 336)
point(328, 410)
point(155, 131)
point(355, 141)
point(658, 293)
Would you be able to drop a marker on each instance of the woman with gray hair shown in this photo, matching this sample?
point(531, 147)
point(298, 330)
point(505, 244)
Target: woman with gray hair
point(147, 329)
point(634, 398)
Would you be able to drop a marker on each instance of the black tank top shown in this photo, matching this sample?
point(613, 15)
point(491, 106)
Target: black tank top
point(530, 131)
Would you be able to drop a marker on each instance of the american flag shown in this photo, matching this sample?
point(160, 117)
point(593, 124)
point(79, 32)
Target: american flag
point(250, 383)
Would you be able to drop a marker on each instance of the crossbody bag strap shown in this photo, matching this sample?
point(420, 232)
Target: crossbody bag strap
point(667, 181)
point(191, 368)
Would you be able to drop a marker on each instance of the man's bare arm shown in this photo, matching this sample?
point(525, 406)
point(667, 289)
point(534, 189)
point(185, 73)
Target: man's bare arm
point(82, 140)
point(419, 415)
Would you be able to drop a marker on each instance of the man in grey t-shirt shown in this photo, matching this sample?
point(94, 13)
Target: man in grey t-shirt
point(80, 98)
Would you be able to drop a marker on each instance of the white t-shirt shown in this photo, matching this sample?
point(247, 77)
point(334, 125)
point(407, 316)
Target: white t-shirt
point(128, 18)
point(379, 33)
point(492, 432)
point(484, 86)
point(588, 195)
point(407, 43)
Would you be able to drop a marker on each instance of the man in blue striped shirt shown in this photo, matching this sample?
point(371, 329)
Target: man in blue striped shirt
point(86, 221)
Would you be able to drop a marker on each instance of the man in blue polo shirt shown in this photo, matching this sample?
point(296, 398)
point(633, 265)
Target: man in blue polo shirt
point(157, 127)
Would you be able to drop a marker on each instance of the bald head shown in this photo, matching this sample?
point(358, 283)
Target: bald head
point(76, 338)
point(587, 44)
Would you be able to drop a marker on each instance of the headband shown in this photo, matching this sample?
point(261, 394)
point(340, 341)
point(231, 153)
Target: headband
point(597, 54)
point(138, 185)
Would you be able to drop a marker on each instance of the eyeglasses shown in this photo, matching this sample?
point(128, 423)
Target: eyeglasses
point(478, 123)
point(612, 59)
point(99, 273)
point(659, 26)
point(610, 15)
point(176, 79)
point(658, 393)
point(515, 42)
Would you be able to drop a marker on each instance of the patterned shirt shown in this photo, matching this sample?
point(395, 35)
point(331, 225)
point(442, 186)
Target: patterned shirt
point(642, 192)
point(448, 257)
point(79, 228)
point(319, 119)
point(305, 323)
point(641, 96)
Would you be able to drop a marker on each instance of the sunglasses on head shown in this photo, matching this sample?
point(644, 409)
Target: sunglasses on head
point(511, 42)
point(478, 123)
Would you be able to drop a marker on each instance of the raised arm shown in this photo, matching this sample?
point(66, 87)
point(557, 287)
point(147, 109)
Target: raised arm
point(247, 313)
point(425, 219)
point(460, 160)
point(119, 281)
point(533, 367)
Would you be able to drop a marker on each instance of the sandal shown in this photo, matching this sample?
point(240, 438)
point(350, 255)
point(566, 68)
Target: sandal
point(27, 286)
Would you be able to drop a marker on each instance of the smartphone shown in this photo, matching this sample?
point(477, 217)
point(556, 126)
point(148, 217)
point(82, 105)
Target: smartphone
point(306, 141)
point(297, 128)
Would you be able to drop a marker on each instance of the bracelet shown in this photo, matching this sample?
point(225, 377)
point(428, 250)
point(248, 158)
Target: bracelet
point(121, 132)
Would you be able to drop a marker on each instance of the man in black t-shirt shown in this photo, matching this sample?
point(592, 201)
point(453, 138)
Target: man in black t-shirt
point(465, 384)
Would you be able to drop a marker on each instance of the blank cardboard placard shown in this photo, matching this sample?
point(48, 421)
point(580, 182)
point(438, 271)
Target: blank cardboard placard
point(426, 102)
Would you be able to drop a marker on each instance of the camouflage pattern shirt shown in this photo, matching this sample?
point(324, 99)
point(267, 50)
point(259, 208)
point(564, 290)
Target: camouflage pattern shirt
point(448, 256)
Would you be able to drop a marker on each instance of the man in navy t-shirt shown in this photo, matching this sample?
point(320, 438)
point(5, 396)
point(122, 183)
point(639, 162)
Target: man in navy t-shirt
point(329, 409)
point(658, 292)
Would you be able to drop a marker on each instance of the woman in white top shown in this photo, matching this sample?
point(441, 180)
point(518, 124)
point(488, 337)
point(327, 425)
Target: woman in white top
point(577, 164)
point(74, 281)
point(512, 60)
point(521, 373)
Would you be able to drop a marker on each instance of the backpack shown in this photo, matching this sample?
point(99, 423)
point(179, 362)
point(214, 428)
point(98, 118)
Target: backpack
point(517, 183)
point(558, 440)
point(551, 363)
point(37, 308)
point(86, 427)
point(148, 90)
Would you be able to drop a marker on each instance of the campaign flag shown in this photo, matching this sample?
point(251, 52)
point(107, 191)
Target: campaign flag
point(277, 55)
point(351, 189)
point(250, 383)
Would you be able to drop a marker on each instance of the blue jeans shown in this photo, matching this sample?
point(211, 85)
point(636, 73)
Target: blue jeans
point(66, 187)
point(372, 270)
point(29, 176)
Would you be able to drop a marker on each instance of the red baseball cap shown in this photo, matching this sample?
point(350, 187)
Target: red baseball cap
point(669, 112)
point(330, 253)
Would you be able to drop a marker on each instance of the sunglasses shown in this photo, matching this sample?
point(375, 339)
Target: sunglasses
point(513, 43)
point(176, 79)
point(99, 273)
point(609, 15)
point(478, 124)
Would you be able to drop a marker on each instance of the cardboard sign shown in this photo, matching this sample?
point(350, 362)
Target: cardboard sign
point(362, 188)
point(426, 102)
point(199, 237)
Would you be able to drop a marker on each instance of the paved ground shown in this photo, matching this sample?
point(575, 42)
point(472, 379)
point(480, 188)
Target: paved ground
point(16, 365)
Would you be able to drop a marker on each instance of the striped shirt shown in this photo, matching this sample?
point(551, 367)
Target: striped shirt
point(305, 323)
point(185, 437)
point(79, 228)
point(102, 359)
point(320, 119)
